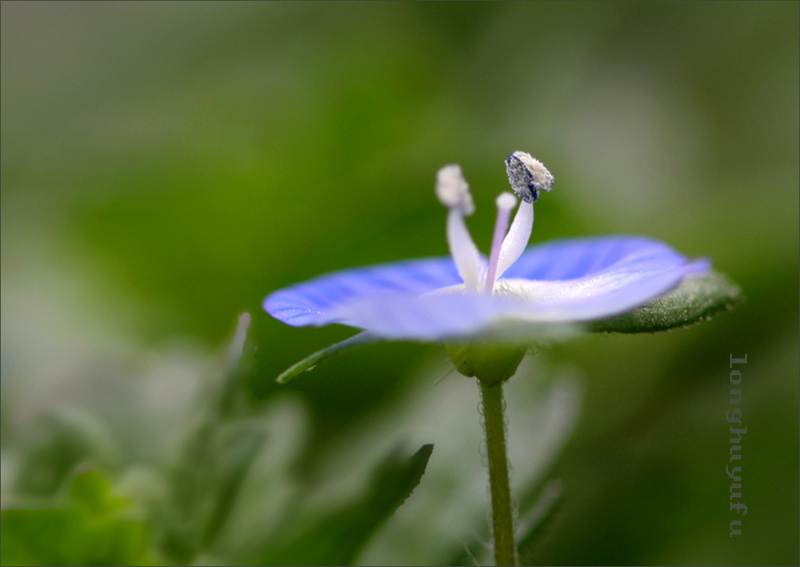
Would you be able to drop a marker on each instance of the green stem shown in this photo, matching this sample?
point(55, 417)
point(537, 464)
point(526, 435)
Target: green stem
point(505, 552)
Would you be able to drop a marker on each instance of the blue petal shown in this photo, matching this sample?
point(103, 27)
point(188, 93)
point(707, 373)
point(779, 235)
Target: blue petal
point(589, 279)
point(578, 257)
point(309, 303)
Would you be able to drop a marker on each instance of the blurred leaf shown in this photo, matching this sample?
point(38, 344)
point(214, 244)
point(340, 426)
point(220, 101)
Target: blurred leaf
point(695, 300)
point(93, 530)
point(61, 441)
point(532, 524)
point(337, 538)
point(40, 537)
point(232, 400)
point(190, 484)
point(92, 491)
point(214, 460)
point(238, 448)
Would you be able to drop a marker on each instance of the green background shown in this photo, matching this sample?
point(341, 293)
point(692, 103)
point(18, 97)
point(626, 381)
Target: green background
point(167, 165)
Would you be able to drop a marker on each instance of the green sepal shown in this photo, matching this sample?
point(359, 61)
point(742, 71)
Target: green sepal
point(309, 362)
point(490, 362)
point(696, 299)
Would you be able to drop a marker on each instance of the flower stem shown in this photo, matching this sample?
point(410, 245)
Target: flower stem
point(505, 552)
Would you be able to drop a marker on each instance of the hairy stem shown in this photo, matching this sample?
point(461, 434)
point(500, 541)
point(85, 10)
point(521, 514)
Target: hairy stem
point(505, 552)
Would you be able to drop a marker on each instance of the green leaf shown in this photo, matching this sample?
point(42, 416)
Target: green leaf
point(92, 491)
point(94, 529)
point(337, 538)
point(205, 483)
point(40, 537)
point(532, 524)
point(697, 298)
point(237, 447)
point(60, 441)
point(213, 461)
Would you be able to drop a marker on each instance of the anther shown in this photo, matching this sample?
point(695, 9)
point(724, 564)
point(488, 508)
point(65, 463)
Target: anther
point(527, 176)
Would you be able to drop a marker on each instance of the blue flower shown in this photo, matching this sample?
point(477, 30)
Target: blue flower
point(514, 291)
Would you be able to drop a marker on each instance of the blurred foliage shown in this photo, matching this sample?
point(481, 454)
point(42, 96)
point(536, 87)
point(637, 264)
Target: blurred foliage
point(61, 441)
point(92, 529)
point(166, 165)
point(337, 537)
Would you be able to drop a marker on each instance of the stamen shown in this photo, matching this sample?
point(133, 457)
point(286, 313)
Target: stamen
point(527, 177)
point(453, 191)
point(517, 238)
point(505, 202)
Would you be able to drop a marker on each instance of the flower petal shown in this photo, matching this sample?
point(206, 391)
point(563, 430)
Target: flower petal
point(428, 317)
point(588, 279)
point(578, 257)
point(576, 280)
point(311, 302)
point(596, 296)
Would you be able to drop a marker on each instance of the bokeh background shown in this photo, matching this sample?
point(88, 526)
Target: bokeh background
point(167, 165)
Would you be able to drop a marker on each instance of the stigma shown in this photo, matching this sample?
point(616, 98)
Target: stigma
point(453, 191)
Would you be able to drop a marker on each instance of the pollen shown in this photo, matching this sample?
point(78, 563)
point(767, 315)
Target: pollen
point(527, 176)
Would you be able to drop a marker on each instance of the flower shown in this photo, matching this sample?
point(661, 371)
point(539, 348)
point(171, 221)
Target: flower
point(514, 291)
